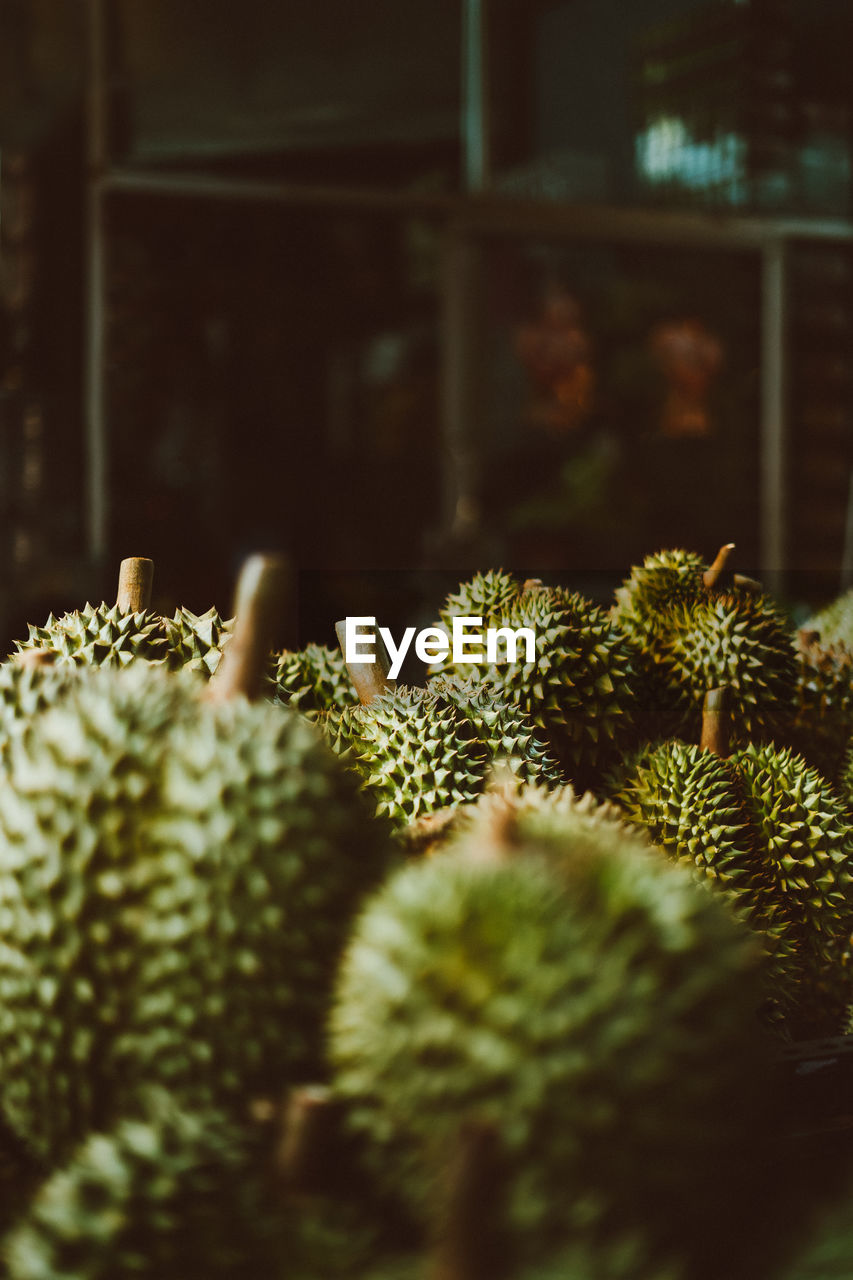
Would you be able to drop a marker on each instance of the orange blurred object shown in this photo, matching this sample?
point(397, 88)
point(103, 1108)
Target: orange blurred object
point(689, 356)
point(556, 354)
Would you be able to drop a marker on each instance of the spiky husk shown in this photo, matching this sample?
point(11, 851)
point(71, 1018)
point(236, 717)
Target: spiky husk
point(414, 751)
point(313, 680)
point(195, 641)
point(488, 596)
point(665, 581)
point(510, 736)
point(100, 636)
point(166, 1195)
point(834, 623)
point(823, 721)
point(771, 833)
point(582, 687)
point(176, 879)
point(739, 639)
point(26, 691)
point(566, 984)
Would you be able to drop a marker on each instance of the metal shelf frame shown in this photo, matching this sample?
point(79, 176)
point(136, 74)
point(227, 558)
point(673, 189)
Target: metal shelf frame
point(469, 219)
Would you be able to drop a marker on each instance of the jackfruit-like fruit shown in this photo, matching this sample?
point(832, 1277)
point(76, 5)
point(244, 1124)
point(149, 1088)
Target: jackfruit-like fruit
point(313, 680)
point(176, 878)
point(581, 687)
point(775, 838)
point(557, 980)
point(823, 721)
point(196, 641)
point(165, 1195)
point(696, 635)
point(414, 750)
point(834, 623)
point(100, 636)
point(488, 596)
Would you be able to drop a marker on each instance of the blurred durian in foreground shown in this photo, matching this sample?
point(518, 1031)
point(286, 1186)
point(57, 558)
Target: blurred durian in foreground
point(552, 976)
point(177, 875)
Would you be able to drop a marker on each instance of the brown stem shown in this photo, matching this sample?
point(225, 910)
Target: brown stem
point(305, 1157)
point(262, 590)
point(716, 721)
point(32, 659)
point(468, 1244)
point(748, 584)
point(370, 679)
point(135, 580)
point(532, 584)
point(712, 573)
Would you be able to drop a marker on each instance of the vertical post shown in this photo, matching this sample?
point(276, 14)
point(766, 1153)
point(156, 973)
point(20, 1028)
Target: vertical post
point(97, 157)
point(773, 495)
point(460, 256)
point(475, 96)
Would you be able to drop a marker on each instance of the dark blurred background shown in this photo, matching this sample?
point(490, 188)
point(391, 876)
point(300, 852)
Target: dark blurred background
point(409, 288)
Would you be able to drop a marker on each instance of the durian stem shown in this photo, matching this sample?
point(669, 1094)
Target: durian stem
point(310, 1133)
point(748, 584)
point(531, 584)
point(262, 589)
point(716, 721)
point(135, 580)
point(712, 573)
point(468, 1244)
point(370, 679)
point(31, 659)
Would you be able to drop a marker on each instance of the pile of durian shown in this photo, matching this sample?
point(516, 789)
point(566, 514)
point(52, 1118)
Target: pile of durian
point(305, 974)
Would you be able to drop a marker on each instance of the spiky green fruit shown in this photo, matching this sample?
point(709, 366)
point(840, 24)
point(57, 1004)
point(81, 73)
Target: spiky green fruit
point(313, 680)
point(26, 691)
point(414, 751)
point(567, 985)
point(742, 640)
point(664, 581)
point(775, 838)
point(167, 1195)
point(100, 636)
point(511, 737)
point(581, 688)
point(195, 641)
point(488, 596)
point(176, 879)
point(834, 623)
point(823, 721)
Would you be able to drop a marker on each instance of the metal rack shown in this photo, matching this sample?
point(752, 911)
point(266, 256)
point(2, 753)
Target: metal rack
point(468, 221)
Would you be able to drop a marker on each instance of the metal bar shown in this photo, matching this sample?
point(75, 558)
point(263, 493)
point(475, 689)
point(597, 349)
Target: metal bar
point(773, 442)
point(97, 154)
point(458, 381)
point(494, 214)
point(475, 97)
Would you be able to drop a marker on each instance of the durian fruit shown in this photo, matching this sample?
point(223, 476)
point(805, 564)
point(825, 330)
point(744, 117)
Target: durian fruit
point(774, 836)
point(665, 581)
point(177, 876)
point(27, 688)
point(834, 623)
point(562, 982)
point(488, 596)
point(582, 688)
point(196, 641)
point(511, 736)
point(313, 680)
point(697, 631)
point(823, 720)
point(164, 1194)
point(414, 751)
point(100, 636)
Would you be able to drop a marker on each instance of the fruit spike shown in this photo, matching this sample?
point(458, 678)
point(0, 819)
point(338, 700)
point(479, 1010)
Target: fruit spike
point(135, 580)
point(262, 588)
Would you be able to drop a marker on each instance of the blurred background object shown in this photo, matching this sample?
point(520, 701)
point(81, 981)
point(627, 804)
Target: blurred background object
point(411, 291)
